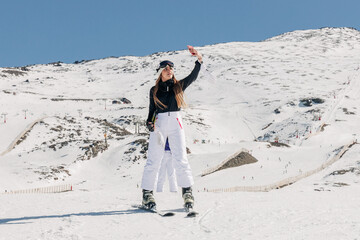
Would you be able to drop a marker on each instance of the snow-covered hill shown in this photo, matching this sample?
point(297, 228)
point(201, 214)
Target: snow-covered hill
point(301, 89)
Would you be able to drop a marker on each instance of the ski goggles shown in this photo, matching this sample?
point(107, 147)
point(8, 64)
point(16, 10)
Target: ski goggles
point(164, 64)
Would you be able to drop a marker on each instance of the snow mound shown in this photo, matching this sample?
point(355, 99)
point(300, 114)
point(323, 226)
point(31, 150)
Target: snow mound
point(236, 160)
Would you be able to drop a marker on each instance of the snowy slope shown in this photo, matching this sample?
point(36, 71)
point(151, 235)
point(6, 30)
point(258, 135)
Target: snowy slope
point(301, 88)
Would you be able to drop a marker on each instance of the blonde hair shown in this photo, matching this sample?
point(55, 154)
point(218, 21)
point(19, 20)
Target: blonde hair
point(179, 94)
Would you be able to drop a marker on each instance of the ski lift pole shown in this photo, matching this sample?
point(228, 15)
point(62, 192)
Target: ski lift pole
point(4, 116)
point(105, 136)
point(25, 112)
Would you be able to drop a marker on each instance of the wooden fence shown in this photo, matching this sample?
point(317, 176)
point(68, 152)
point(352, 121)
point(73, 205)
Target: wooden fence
point(42, 190)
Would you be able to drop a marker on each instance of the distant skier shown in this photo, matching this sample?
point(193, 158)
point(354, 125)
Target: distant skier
point(167, 168)
point(166, 100)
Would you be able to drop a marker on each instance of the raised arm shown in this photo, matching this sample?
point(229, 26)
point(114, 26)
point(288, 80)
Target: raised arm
point(192, 76)
point(195, 72)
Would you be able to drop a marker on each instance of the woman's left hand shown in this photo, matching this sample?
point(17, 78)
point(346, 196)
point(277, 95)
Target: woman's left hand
point(195, 53)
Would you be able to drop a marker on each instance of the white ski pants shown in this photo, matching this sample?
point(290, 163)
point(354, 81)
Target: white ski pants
point(167, 125)
point(167, 168)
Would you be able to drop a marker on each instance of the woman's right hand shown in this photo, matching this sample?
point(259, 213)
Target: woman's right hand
point(150, 126)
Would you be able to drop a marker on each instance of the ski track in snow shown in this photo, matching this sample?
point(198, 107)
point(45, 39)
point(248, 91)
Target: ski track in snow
point(250, 90)
point(13, 144)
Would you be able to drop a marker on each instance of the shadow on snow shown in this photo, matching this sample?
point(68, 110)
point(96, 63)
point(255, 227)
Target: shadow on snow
point(22, 220)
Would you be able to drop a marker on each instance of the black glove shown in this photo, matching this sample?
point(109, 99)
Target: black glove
point(150, 126)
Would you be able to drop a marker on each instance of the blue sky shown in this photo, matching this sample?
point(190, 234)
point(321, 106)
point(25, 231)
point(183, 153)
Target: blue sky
point(43, 31)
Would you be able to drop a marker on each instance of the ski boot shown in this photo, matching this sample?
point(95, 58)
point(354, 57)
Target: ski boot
point(148, 199)
point(188, 199)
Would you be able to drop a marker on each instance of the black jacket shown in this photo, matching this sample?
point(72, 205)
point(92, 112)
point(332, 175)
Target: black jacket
point(166, 94)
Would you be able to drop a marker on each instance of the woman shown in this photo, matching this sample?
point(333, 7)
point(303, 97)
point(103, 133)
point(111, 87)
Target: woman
point(166, 100)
